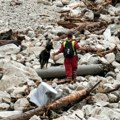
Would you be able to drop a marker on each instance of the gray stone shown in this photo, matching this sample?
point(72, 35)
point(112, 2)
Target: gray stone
point(89, 15)
point(100, 97)
point(4, 97)
point(112, 74)
point(65, 2)
point(5, 114)
point(4, 106)
point(117, 57)
point(112, 98)
point(16, 73)
point(110, 57)
point(21, 104)
point(35, 117)
point(9, 49)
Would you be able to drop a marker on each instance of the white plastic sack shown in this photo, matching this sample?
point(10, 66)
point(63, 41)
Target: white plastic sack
point(43, 94)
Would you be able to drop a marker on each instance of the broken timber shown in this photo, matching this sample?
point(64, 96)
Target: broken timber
point(91, 26)
point(59, 72)
point(74, 97)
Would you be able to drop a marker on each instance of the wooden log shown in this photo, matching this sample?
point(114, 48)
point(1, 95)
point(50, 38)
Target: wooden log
point(73, 19)
point(66, 24)
point(59, 71)
point(16, 42)
point(92, 6)
point(6, 35)
point(103, 53)
point(26, 115)
point(91, 26)
point(115, 89)
point(74, 97)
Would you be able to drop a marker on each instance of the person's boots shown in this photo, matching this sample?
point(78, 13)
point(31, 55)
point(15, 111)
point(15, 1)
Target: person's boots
point(69, 79)
point(74, 76)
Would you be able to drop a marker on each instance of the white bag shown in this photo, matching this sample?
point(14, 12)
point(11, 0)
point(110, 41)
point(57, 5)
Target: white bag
point(43, 94)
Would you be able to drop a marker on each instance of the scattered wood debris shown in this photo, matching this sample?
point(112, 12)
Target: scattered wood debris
point(73, 98)
point(9, 36)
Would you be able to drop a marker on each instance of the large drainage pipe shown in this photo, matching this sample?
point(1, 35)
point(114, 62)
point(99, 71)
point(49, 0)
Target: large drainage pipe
point(57, 72)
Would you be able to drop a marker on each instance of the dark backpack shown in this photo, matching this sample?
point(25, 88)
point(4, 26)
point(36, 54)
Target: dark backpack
point(69, 48)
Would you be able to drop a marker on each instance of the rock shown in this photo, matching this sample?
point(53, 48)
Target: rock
point(31, 16)
point(4, 97)
point(60, 93)
point(81, 79)
point(92, 118)
point(15, 2)
point(112, 98)
point(65, 2)
point(66, 90)
point(18, 92)
point(113, 105)
point(16, 73)
point(108, 114)
point(58, 29)
point(63, 118)
point(118, 76)
point(84, 59)
point(75, 12)
point(100, 97)
point(9, 113)
point(21, 104)
point(107, 87)
point(102, 104)
point(93, 60)
point(9, 49)
point(60, 61)
point(76, 3)
point(99, 1)
point(72, 86)
point(59, 4)
point(87, 109)
point(116, 64)
point(45, 2)
point(89, 15)
point(103, 60)
point(35, 117)
point(102, 117)
point(112, 10)
point(4, 106)
point(31, 34)
point(112, 74)
point(117, 57)
point(107, 18)
point(78, 114)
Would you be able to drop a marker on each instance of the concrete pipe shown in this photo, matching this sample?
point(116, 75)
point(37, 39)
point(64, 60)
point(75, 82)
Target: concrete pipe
point(58, 72)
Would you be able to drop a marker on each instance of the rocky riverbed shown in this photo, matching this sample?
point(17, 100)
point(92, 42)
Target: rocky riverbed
point(37, 21)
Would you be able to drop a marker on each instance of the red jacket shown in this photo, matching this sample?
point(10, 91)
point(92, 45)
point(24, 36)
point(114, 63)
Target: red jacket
point(75, 45)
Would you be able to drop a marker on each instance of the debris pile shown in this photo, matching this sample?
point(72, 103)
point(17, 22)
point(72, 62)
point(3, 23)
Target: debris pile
point(95, 23)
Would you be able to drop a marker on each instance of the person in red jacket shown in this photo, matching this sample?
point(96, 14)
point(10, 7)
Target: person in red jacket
point(70, 64)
